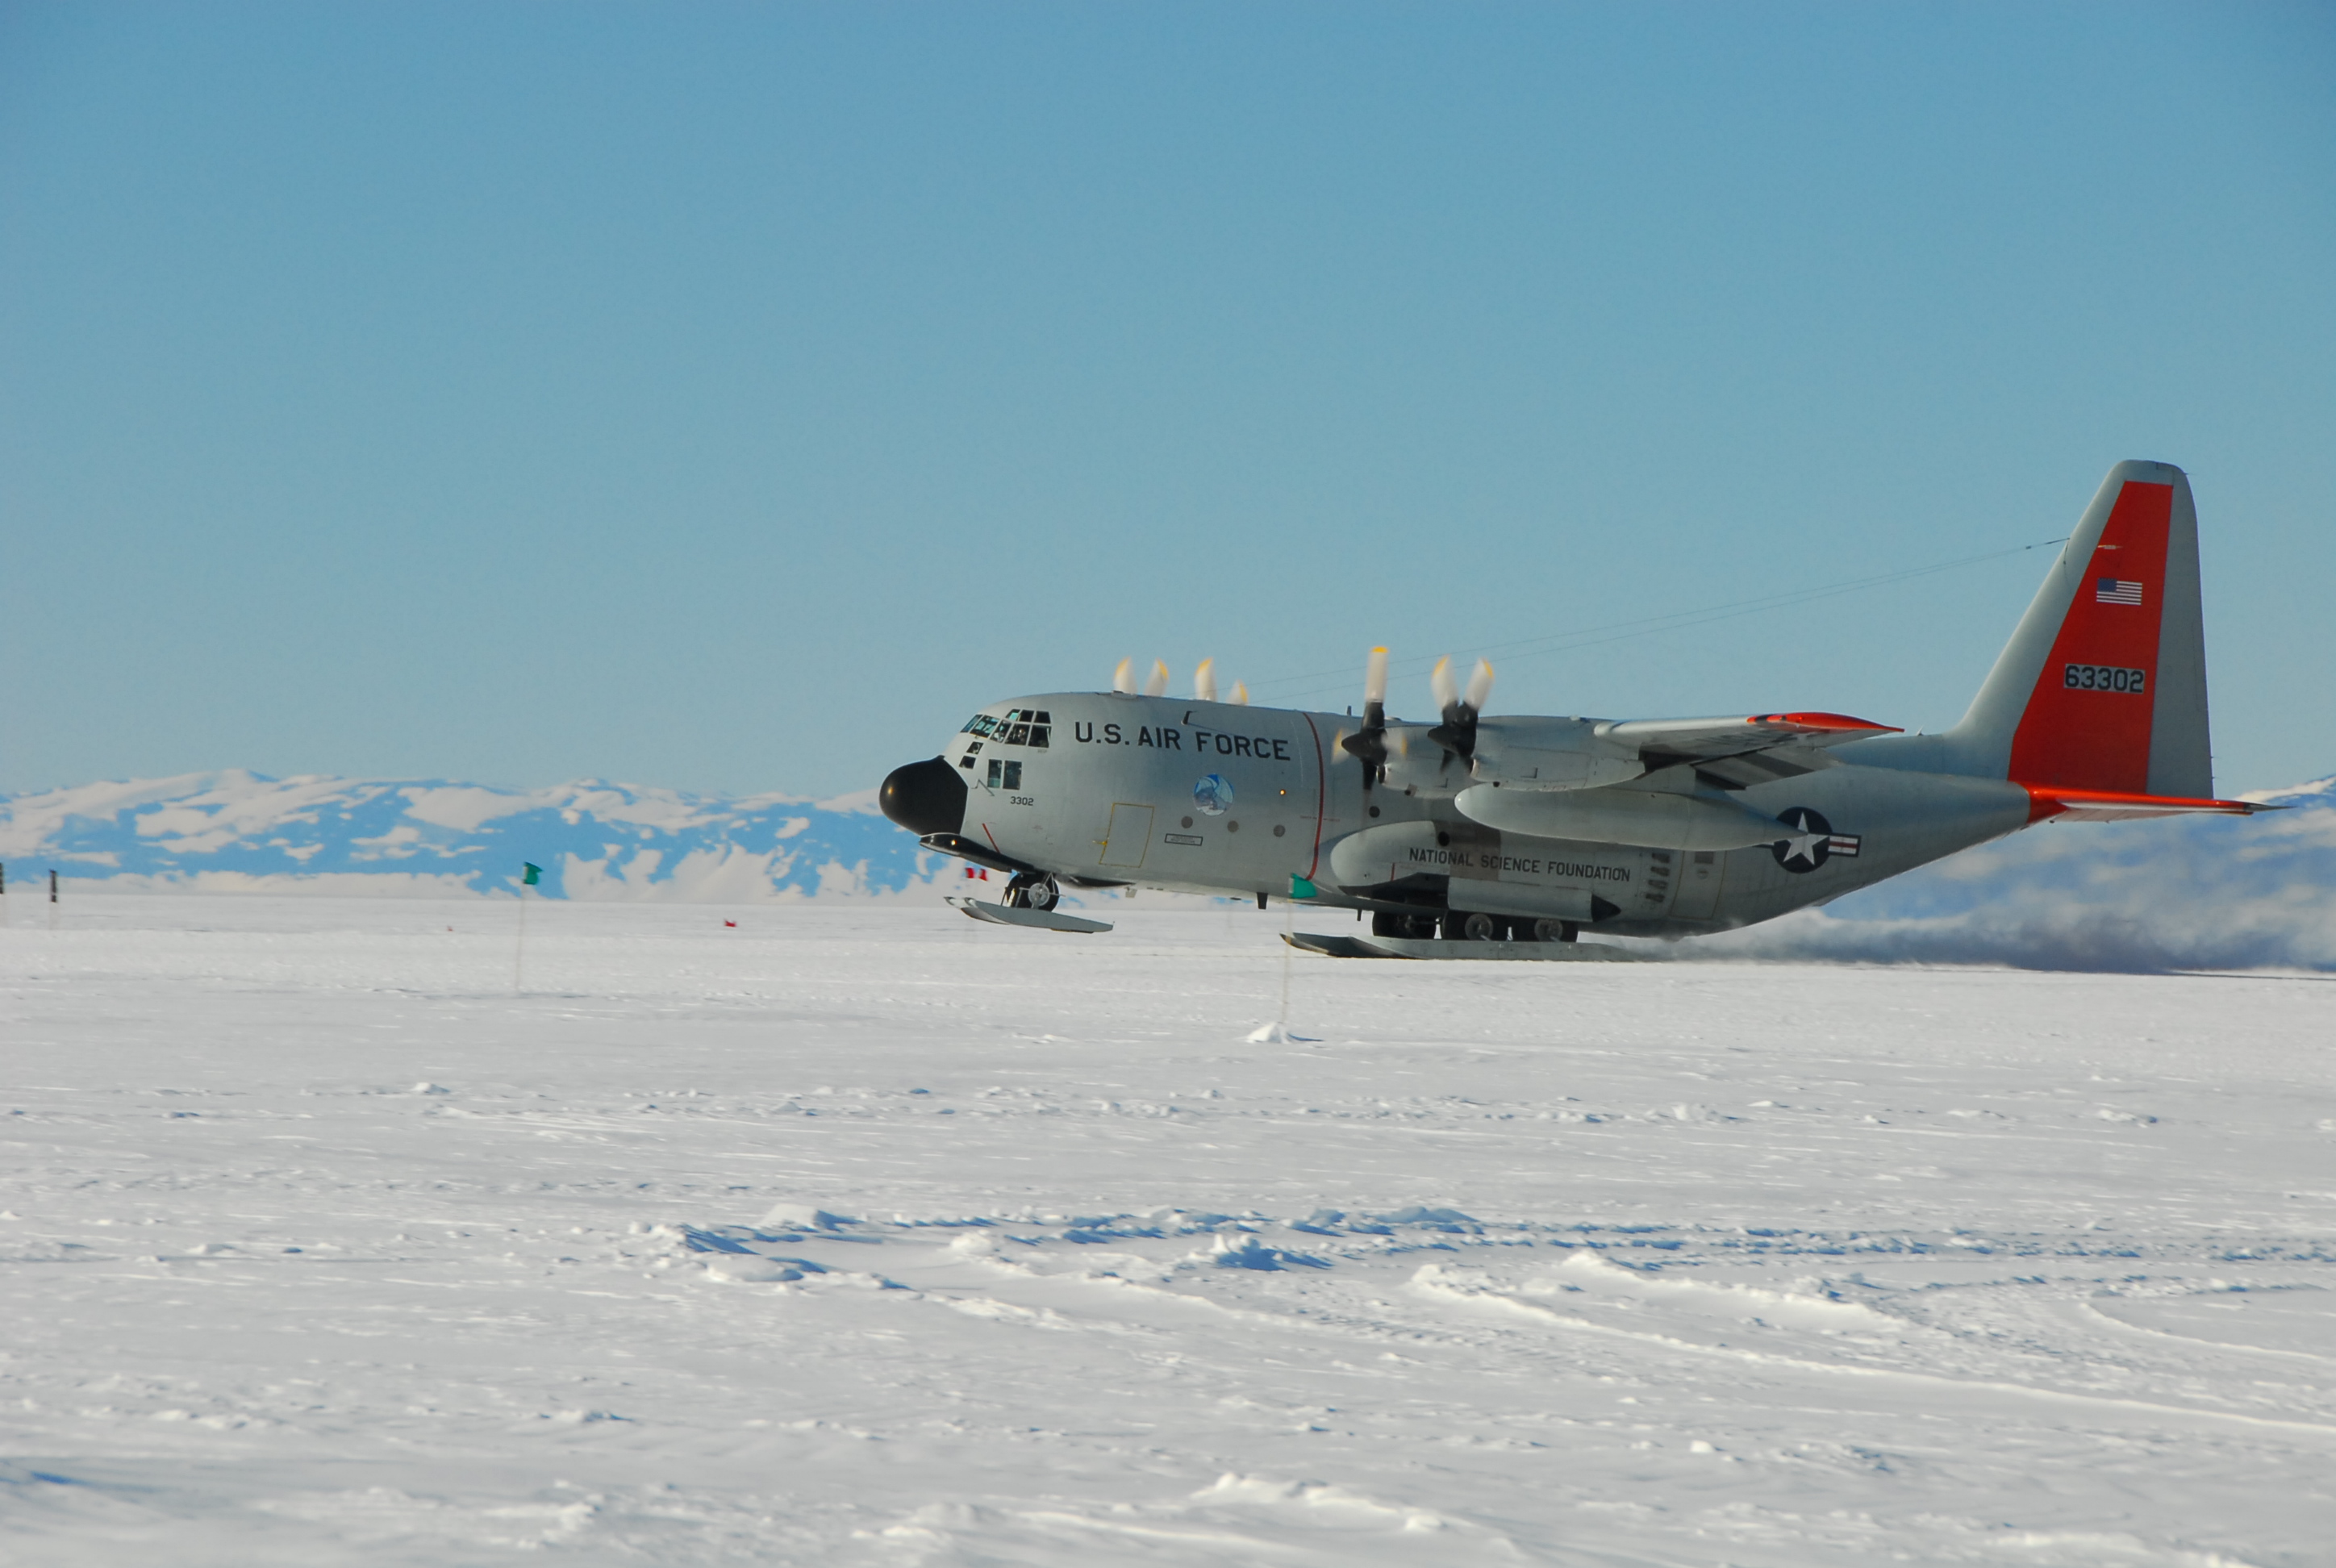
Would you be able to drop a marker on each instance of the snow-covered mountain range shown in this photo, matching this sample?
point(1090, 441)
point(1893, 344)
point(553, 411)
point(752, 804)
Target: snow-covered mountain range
point(238, 832)
point(2209, 891)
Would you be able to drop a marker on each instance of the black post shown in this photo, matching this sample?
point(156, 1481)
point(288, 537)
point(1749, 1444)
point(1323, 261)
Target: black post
point(52, 885)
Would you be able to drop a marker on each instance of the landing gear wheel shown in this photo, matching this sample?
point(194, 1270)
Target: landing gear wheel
point(1029, 893)
point(1481, 927)
point(1554, 930)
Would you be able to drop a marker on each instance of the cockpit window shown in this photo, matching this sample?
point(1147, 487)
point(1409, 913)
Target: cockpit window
point(1020, 726)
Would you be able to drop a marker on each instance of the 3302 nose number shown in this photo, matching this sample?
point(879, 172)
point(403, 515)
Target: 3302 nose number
point(2102, 678)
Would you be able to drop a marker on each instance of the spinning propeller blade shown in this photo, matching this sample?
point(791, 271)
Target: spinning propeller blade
point(1123, 679)
point(1457, 734)
point(1480, 686)
point(1157, 685)
point(1204, 681)
point(1369, 744)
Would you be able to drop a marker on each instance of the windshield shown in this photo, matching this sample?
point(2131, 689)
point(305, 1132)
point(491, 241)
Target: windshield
point(1031, 727)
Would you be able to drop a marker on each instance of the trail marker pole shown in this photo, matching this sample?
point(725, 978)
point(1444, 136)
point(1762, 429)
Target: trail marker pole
point(528, 874)
point(1288, 929)
point(53, 897)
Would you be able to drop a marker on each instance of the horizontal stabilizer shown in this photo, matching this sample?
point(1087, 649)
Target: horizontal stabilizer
point(2046, 801)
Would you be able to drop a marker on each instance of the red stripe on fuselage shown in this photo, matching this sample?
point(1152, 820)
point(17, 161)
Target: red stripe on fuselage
point(1321, 792)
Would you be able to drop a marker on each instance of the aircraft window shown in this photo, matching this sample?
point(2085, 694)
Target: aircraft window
point(972, 725)
point(1043, 717)
point(1039, 734)
point(1003, 774)
point(966, 761)
point(1018, 734)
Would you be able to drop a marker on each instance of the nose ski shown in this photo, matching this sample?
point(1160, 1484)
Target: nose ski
point(1028, 919)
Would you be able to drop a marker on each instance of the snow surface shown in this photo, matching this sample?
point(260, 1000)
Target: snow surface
point(860, 1233)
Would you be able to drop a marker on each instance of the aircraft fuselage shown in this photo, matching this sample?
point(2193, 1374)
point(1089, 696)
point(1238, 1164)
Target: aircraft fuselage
point(1206, 797)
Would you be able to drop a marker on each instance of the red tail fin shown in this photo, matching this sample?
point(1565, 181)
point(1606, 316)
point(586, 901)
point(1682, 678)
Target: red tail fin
point(2087, 720)
point(2103, 687)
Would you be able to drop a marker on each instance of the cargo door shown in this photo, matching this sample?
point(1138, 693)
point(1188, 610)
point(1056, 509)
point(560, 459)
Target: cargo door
point(1128, 837)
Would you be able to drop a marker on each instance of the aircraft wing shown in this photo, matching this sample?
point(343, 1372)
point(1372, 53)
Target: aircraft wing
point(1745, 750)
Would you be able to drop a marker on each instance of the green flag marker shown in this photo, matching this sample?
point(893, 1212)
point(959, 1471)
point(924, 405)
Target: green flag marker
point(1300, 888)
point(534, 874)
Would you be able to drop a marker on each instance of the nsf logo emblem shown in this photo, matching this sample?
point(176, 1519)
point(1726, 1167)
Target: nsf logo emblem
point(1213, 795)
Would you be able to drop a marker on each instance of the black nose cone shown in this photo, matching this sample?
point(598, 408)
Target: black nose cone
point(925, 797)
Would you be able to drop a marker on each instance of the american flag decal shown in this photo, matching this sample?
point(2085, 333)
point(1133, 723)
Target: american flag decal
point(1843, 844)
point(2116, 591)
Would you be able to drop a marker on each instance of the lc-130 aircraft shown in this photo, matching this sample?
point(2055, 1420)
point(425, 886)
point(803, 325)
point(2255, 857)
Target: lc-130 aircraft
point(1489, 828)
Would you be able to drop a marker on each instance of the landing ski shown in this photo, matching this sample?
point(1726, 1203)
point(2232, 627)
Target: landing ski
point(1034, 919)
point(1408, 947)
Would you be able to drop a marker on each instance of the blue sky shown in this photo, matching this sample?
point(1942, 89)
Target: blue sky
point(734, 398)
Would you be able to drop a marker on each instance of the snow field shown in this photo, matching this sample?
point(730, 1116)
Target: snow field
point(862, 1234)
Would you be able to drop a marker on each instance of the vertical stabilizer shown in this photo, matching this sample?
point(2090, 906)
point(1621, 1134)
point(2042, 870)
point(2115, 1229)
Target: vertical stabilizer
point(2104, 685)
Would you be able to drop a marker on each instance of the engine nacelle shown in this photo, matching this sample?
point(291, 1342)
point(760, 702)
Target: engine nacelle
point(1550, 753)
point(1526, 755)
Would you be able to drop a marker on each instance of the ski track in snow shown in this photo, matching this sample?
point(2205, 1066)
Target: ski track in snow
point(871, 1236)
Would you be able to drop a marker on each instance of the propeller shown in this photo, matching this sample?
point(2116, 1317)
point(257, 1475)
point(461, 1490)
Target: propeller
point(1204, 681)
point(1457, 734)
point(1241, 694)
point(1157, 684)
point(1369, 744)
point(1123, 679)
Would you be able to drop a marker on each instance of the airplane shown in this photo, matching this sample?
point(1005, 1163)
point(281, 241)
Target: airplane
point(1477, 828)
